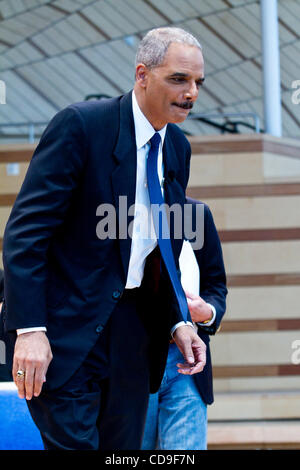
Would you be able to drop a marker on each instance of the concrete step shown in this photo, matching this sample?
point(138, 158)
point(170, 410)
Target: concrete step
point(264, 405)
point(254, 435)
point(254, 348)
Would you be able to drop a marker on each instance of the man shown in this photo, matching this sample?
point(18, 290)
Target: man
point(177, 417)
point(79, 306)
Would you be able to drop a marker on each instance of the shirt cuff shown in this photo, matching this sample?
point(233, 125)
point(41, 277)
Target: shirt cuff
point(180, 324)
point(20, 331)
point(210, 322)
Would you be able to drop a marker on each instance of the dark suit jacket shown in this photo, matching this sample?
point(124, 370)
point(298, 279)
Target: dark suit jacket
point(212, 289)
point(57, 272)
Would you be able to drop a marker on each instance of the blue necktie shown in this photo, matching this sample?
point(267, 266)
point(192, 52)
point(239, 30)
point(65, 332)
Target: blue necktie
point(163, 239)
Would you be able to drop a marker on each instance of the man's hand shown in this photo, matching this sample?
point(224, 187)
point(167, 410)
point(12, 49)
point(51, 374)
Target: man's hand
point(198, 308)
point(192, 348)
point(32, 355)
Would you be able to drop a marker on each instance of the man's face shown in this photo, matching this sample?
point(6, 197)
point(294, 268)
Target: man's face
point(171, 88)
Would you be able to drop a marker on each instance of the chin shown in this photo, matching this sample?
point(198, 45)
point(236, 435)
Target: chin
point(178, 119)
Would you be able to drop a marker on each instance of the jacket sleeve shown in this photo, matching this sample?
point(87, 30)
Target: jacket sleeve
point(39, 210)
point(212, 272)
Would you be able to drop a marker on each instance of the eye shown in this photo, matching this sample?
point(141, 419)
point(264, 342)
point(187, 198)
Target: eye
point(177, 79)
point(199, 83)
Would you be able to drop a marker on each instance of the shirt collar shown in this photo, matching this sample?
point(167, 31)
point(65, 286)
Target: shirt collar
point(143, 129)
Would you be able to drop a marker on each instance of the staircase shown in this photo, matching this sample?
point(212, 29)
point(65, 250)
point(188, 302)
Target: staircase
point(252, 185)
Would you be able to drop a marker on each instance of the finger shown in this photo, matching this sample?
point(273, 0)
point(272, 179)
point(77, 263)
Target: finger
point(29, 379)
point(40, 376)
point(188, 353)
point(39, 379)
point(185, 365)
point(200, 354)
point(186, 369)
point(14, 369)
point(19, 381)
point(198, 368)
point(200, 360)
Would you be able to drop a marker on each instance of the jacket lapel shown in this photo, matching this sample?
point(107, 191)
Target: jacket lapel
point(124, 176)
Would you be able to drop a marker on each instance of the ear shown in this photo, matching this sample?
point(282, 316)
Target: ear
point(141, 75)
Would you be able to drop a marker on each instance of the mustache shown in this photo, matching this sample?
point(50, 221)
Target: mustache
point(184, 105)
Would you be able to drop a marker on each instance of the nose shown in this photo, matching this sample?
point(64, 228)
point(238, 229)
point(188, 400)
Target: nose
point(192, 93)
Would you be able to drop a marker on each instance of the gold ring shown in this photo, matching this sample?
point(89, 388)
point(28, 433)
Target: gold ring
point(21, 374)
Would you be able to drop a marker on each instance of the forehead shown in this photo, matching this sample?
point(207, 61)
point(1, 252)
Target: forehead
point(183, 58)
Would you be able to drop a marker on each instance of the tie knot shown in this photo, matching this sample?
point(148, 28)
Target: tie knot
point(155, 141)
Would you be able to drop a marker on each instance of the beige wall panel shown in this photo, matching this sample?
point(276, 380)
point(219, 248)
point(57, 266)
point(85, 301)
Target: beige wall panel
point(10, 184)
point(280, 168)
point(1, 260)
point(255, 406)
point(265, 302)
point(255, 213)
point(266, 434)
point(254, 348)
point(254, 384)
point(262, 257)
point(226, 169)
point(4, 214)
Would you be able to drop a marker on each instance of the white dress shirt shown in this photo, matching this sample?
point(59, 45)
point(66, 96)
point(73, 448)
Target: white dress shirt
point(190, 273)
point(143, 236)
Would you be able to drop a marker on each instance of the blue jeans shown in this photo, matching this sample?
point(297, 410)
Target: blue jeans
point(176, 416)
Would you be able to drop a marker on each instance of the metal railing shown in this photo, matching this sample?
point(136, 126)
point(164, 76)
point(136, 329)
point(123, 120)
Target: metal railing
point(230, 126)
point(29, 136)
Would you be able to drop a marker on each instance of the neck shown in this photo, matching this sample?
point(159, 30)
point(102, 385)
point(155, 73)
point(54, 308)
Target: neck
point(155, 123)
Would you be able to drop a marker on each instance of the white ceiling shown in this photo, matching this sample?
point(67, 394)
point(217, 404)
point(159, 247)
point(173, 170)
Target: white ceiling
point(53, 53)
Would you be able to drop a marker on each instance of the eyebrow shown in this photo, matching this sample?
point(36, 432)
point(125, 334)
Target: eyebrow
point(184, 75)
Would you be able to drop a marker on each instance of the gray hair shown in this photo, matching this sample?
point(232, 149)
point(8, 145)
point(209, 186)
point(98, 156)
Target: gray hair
point(154, 45)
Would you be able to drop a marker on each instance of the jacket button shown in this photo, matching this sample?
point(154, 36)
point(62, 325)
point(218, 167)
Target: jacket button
point(116, 294)
point(99, 328)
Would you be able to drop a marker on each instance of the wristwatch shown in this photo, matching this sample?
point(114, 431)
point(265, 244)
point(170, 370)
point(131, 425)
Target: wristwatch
point(207, 321)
